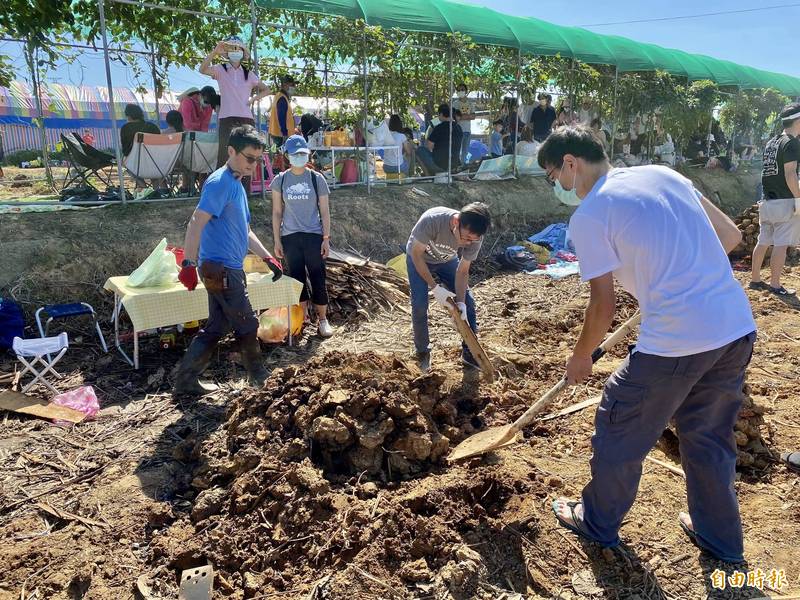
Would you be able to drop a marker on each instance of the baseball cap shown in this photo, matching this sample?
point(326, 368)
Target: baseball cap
point(288, 79)
point(296, 144)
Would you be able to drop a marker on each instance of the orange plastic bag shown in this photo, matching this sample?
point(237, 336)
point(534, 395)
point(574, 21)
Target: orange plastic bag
point(273, 324)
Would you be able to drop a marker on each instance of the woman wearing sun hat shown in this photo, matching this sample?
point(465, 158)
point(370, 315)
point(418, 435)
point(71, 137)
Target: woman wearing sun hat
point(195, 116)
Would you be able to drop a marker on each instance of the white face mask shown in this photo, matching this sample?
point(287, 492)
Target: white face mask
point(235, 57)
point(568, 197)
point(298, 160)
point(462, 94)
point(291, 90)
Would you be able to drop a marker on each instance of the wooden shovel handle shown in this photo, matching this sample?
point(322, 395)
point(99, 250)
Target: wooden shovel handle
point(554, 391)
point(471, 340)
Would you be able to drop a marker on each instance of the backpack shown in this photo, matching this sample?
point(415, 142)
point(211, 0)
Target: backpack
point(12, 323)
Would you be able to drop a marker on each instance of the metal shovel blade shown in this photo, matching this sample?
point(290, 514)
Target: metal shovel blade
point(196, 583)
point(483, 442)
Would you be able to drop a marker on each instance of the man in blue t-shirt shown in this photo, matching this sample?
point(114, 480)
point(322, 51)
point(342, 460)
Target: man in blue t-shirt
point(219, 235)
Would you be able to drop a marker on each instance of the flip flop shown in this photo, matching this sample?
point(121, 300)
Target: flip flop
point(782, 291)
point(689, 533)
point(758, 285)
point(791, 460)
point(580, 533)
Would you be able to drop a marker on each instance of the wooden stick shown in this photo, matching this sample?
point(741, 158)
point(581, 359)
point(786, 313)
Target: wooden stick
point(667, 466)
point(573, 408)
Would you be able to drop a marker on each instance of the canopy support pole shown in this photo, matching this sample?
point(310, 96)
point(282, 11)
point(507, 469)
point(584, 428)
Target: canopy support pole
point(31, 59)
point(327, 92)
point(254, 52)
point(517, 81)
point(111, 110)
point(367, 173)
point(452, 115)
point(155, 85)
point(616, 116)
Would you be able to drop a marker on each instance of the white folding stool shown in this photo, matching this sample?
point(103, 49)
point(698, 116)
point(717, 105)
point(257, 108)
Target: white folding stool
point(40, 350)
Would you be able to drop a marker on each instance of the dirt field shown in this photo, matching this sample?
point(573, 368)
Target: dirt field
point(269, 488)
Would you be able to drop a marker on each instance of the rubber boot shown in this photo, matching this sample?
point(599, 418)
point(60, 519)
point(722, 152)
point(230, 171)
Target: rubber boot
point(250, 348)
point(194, 362)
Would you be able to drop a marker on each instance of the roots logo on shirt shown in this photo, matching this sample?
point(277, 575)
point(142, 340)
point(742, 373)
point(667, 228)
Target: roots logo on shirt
point(298, 190)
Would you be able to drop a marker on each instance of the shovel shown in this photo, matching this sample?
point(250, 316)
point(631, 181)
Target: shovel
point(497, 437)
point(471, 340)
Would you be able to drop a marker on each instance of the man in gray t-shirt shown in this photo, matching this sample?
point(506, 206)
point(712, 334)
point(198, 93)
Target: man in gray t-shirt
point(443, 243)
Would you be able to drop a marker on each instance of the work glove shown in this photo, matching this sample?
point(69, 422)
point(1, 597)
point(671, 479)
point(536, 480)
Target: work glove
point(463, 308)
point(442, 294)
point(188, 276)
point(275, 267)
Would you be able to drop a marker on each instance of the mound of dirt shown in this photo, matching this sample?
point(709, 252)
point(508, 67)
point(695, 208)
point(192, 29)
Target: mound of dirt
point(367, 415)
point(294, 482)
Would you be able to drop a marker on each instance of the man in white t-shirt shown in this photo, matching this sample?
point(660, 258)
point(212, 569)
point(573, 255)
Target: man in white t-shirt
point(667, 245)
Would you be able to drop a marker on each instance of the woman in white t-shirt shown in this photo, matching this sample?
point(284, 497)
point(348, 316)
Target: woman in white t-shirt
point(396, 161)
point(527, 146)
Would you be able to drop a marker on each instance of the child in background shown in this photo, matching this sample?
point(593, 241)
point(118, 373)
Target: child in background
point(496, 140)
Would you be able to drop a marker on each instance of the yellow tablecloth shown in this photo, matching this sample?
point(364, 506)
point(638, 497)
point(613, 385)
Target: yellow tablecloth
point(174, 304)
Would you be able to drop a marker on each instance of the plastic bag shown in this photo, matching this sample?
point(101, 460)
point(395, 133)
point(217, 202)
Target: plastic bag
point(82, 399)
point(399, 265)
point(157, 270)
point(273, 324)
point(378, 134)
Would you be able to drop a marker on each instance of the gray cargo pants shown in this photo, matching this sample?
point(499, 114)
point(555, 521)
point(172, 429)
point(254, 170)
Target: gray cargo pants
point(702, 393)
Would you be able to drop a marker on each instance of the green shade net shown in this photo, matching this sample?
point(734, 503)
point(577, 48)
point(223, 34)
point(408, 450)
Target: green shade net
point(537, 37)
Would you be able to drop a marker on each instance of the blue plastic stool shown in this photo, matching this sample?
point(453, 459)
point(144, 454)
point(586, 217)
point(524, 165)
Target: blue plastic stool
point(66, 311)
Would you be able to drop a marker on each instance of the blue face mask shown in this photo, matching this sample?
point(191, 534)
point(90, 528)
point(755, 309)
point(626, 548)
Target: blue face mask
point(568, 197)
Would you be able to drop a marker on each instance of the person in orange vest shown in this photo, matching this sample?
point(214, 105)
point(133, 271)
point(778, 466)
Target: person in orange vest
point(281, 120)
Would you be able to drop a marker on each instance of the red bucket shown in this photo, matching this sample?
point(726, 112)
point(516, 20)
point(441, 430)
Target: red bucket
point(178, 252)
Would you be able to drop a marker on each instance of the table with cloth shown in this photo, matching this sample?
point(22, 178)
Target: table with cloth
point(149, 308)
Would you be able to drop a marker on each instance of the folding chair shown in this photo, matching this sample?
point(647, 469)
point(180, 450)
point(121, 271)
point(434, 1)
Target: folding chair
point(199, 154)
point(153, 156)
point(39, 350)
point(66, 311)
point(84, 165)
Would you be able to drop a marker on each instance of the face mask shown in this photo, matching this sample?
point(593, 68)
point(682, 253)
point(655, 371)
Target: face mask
point(291, 90)
point(462, 94)
point(298, 160)
point(568, 197)
point(235, 57)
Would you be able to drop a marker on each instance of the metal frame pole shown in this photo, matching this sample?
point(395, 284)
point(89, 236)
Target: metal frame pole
point(516, 112)
point(155, 84)
point(112, 111)
point(254, 52)
point(452, 116)
point(366, 117)
point(616, 115)
point(37, 94)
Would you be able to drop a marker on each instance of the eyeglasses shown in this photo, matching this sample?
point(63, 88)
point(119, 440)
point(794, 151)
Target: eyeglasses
point(549, 178)
point(250, 159)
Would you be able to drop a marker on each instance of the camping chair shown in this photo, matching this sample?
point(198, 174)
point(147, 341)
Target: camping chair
point(39, 350)
point(199, 154)
point(66, 311)
point(93, 152)
point(153, 156)
point(83, 165)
